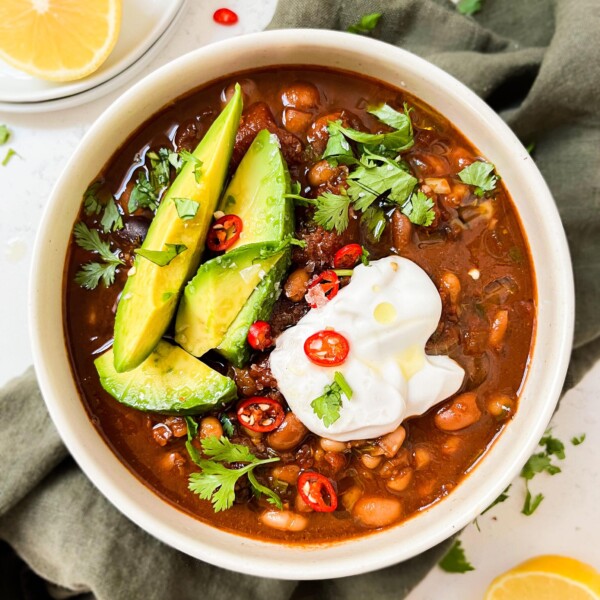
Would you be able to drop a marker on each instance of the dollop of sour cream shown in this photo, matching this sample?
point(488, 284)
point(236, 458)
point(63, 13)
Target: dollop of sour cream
point(387, 313)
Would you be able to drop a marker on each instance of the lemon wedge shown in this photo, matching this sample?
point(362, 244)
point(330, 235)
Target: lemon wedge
point(547, 578)
point(58, 40)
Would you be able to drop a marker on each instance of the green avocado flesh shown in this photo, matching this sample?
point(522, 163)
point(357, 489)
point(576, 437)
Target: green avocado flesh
point(150, 296)
point(256, 193)
point(258, 307)
point(169, 381)
point(215, 296)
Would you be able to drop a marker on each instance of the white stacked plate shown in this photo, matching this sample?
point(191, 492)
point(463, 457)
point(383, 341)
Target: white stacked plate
point(146, 25)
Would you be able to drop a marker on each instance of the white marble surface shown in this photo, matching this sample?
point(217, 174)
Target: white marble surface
point(567, 521)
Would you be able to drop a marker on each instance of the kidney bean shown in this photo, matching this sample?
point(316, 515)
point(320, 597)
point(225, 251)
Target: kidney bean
point(210, 427)
point(459, 413)
point(498, 329)
point(332, 446)
point(375, 511)
point(392, 442)
point(296, 284)
point(301, 95)
point(296, 121)
point(402, 230)
point(288, 435)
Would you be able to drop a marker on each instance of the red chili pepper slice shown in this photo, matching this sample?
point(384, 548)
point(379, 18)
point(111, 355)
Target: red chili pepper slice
point(260, 413)
point(327, 348)
point(326, 285)
point(317, 491)
point(225, 16)
point(347, 256)
point(224, 233)
point(259, 335)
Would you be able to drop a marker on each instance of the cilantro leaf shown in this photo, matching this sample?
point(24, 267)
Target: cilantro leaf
point(553, 446)
point(479, 174)
point(143, 195)
point(9, 154)
point(216, 482)
point(394, 141)
point(332, 211)
point(468, 7)
point(375, 221)
point(371, 181)
point(420, 210)
point(366, 24)
point(111, 219)
point(91, 273)
point(455, 560)
point(91, 202)
point(501, 498)
point(400, 121)
point(227, 425)
point(538, 463)
point(531, 504)
point(4, 134)
point(162, 257)
point(576, 440)
point(186, 208)
point(338, 149)
point(188, 157)
point(192, 428)
point(327, 406)
point(160, 168)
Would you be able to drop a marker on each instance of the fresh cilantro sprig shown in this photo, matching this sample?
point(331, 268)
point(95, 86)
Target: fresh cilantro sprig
point(93, 204)
point(455, 560)
point(90, 274)
point(327, 406)
point(216, 482)
point(366, 24)
point(468, 7)
point(162, 257)
point(481, 175)
point(143, 194)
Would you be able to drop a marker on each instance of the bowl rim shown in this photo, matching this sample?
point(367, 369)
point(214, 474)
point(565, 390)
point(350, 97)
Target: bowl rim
point(247, 555)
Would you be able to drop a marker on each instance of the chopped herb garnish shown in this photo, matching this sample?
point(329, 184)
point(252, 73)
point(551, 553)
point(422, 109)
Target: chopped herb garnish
point(192, 428)
point(455, 560)
point(332, 211)
point(481, 175)
point(90, 274)
point(4, 134)
point(162, 257)
point(111, 219)
point(531, 503)
point(364, 257)
point(216, 482)
point(501, 498)
point(538, 463)
point(160, 167)
point(375, 220)
point(227, 425)
point(468, 7)
point(366, 24)
point(420, 210)
point(9, 154)
point(553, 446)
point(91, 202)
point(143, 195)
point(578, 439)
point(196, 162)
point(186, 208)
point(327, 406)
point(338, 148)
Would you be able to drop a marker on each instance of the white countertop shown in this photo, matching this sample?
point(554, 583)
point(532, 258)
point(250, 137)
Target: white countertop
point(567, 522)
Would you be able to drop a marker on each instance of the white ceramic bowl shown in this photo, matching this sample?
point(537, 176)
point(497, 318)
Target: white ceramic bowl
point(539, 217)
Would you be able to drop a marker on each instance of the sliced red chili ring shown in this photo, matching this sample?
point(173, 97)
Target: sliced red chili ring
point(224, 233)
point(225, 16)
point(317, 491)
point(347, 256)
point(259, 335)
point(327, 348)
point(326, 285)
point(260, 413)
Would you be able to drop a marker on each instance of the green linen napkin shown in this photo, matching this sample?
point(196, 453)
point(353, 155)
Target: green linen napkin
point(538, 64)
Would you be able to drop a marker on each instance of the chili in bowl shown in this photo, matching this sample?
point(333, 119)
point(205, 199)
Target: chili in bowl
point(313, 304)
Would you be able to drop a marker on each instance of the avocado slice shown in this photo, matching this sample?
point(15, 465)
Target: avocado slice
point(256, 193)
point(151, 293)
point(169, 381)
point(215, 296)
point(258, 307)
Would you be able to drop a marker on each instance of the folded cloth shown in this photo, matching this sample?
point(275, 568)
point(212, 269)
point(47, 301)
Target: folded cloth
point(537, 64)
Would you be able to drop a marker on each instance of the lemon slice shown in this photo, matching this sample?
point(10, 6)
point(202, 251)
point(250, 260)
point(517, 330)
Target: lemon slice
point(547, 578)
point(59, 40)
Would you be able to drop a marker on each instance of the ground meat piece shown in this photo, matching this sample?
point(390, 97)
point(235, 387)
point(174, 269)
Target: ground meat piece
point(321, 245)
point(261, 373)
point(259, 117)
point(286, 313)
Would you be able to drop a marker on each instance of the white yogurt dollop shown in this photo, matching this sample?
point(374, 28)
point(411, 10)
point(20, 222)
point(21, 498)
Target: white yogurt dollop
point(387, 313)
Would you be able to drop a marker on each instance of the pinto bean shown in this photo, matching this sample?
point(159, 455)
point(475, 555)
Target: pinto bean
point(332, 446)
point(402, 230)
point(371, 462)
point(392, 442)
point(301, 95)
point(498, 329)
point(375, 511)
point(287, 473)
point(296, 121)
point(318, 134)
point(284, 520)
point(351, 496)
point(422, 458)
point(296, 284)
point(458, 414)
point(300, 505)
point(401, 481)
point(288, 435)
point(322, 172)
point(451, 446)
point(450, 283)
point(500, 405)
point(210, 427)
